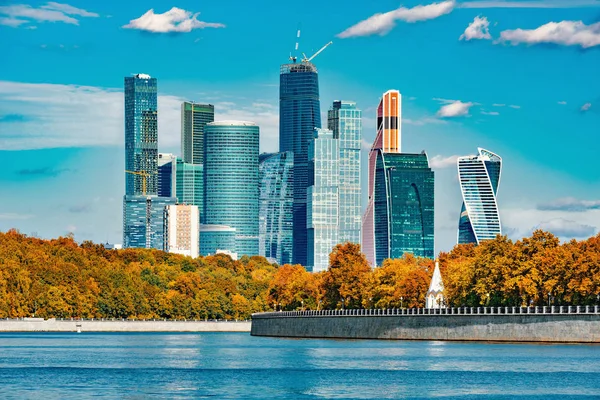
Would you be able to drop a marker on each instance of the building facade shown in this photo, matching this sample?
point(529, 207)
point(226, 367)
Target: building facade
point(387, 140)
point(166, 174)
point(231, 181)
point(182, 230)
point(215, 239)
point(322, 199)
point(479, 178)
point(344, 119)
point(276, 207)
point(143, 221)
point(194, 117)
point(299, 115)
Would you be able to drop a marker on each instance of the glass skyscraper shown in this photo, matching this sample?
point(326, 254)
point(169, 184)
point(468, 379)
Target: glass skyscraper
point(276, 206)
point(322, 199)
point(194, 117)
point(144, 217)
point(344, 119)
point(166, 174)
point(479, 178)
point(403, 206)
point(299, 115)
point(177, 178)
point(231, 184)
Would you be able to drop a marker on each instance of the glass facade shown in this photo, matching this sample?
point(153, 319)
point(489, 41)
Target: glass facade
point(141, 134)
point(403, 206)
point(166, 169)
point(143, 218)
point(299, 115)
point(344, 119)
point(479, 178)
point(322, 199)
point(215, 238)
point(276, 206)
point(231, 182)
point(189, 183)
point(194, 117)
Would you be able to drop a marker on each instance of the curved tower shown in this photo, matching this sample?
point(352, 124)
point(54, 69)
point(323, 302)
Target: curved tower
point(479, 178)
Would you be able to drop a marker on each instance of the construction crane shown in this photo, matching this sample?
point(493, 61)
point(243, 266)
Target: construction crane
point(145, 175)
point(307, 60)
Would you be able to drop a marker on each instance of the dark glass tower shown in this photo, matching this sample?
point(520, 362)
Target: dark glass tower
point(194, 117)
point(299, 115)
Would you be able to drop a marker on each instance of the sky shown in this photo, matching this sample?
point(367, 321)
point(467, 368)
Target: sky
point(519, 78)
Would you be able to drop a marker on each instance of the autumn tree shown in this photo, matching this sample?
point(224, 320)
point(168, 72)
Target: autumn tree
point(345, 283)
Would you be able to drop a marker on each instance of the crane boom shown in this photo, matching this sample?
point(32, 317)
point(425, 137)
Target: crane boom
point(316, 54)
point(144, 176)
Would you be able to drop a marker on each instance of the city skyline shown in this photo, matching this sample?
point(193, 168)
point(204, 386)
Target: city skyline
point(64, 167)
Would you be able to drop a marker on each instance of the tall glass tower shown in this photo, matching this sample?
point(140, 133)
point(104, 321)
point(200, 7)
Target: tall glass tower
point(299, 115)
point(322, 199)
point(194, 117)
point(143, 218)
point(276, 206)
point(344, 119)
point(231, 186)
point(479, 180)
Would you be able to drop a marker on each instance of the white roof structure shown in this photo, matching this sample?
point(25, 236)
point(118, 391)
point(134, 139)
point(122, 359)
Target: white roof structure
point(232, 123)
point(435, 295)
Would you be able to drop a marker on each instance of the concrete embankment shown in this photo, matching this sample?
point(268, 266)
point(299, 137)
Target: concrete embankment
point(57, 325)
point(515, 327)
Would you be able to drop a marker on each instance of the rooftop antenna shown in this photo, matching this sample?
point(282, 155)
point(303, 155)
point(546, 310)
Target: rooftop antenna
point(307, 60)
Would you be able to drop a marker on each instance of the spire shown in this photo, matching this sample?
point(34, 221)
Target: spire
point(435, 295)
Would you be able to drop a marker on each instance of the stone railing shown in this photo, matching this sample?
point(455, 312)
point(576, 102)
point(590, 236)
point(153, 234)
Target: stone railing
point(546, 310)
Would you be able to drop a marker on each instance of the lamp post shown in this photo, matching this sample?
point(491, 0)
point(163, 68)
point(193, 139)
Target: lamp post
point(370, 302)
point(342, 304)
point(319, 306)
point(549, 294)
point(401, 302)
point(302, 303)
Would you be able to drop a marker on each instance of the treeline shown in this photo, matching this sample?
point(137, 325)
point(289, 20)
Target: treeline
point(59, 278)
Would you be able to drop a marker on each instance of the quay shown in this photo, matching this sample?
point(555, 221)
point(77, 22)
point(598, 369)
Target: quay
point(120, 325)
point(554, 324)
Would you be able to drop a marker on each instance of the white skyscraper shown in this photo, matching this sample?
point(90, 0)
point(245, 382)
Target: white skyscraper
point(182, 230)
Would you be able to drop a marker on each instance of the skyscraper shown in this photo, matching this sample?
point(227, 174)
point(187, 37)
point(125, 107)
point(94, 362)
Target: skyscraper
point(167, 164)
point(231, 188)
point(479, 178)
point(322, 199)
point(276, 206)
point(299, 115)
point(179, 179)
point(182, 230)
point(194, 117)
point(344, 119)
point(387, 140)
point(143, 218)
point(141, 135)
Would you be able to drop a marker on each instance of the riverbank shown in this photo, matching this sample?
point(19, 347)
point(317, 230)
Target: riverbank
point(502, 324)
point(119, 325)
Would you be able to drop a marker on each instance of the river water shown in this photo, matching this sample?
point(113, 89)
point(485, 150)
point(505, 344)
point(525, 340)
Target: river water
point(235, 365)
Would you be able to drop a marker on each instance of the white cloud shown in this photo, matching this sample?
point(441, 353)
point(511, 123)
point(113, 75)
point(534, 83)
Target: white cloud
point(570, 204)
point(423, 121)
point(586, 107)
point(567, 229)
point(515, 106)
point(478, 29)
point(562, 103)
point(522, 221)
point(490, 112)
point(498, 105)
point(439, 162)
point(20, 14)
point(530, 4)
point(382, 23)
point(52, 115)
point(174, 20)
point(15, 216)
point(455, 108)
point(567, 33)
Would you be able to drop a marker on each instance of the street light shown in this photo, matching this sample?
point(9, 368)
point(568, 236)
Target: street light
point(401, 299)
point(342, 304)
point(302, 302)
point(549, 294)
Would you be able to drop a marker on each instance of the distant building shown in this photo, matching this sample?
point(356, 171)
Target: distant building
point(322, 199)
point(479, 178)
point(217, 238)
point(194, 117)
point(143, 221)
point(231, 195)
point(344, 119)
point(276, 207)
point(182, 230)
point(299, 115)
point(435, 295)
point(166, 174)
point(111, 246)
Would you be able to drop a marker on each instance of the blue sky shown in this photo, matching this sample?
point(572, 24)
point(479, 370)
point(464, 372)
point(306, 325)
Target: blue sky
point(519, 78)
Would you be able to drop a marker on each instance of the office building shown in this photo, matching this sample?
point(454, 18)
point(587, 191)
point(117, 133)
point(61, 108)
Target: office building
point(231, 186)
point(216, 239)
point(143, 221)
point(322, 199)
point(276, 206)
point(179, 179)
point(479, 178)
point(344, 119)
point(166, 174)
point(299, 115)
point(194, 117)
point(182, 230)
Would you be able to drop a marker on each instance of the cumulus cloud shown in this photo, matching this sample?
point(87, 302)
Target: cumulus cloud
point(562, 103)
point(478, 29)
point(567, 229)
point(22, 14)
point(440, 162)
point(530, 4)
point(515, 106)
point(570, 204)
point(454, 108)
point(490, 112)
point(566, 33)
point(55, 115)
point(498, 105)
point(586, 107)
point(174, 20)
point(383, 23)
